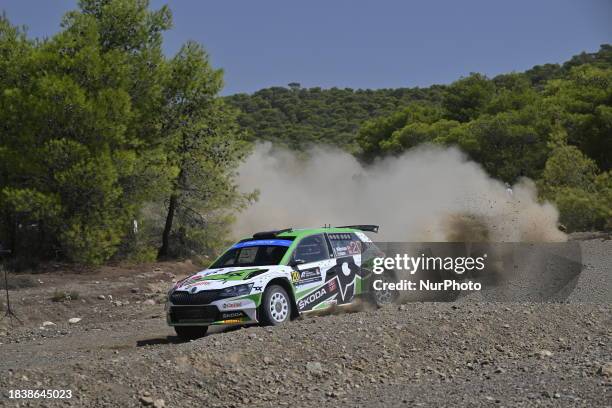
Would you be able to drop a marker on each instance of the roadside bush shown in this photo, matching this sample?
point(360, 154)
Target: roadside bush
point(581, 210)
point(570, 179)
point(62, 296)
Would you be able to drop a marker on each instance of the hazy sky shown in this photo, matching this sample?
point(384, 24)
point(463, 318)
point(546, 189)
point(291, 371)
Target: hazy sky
point(365, 44)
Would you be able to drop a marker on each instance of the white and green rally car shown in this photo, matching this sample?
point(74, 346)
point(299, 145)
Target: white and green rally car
point(273, 277)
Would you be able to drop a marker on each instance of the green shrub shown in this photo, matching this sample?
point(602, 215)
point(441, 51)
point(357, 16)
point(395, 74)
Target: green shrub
point(581, 210)
point(62, 296)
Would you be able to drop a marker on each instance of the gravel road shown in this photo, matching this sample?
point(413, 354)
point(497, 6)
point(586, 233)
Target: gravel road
point(466, 353)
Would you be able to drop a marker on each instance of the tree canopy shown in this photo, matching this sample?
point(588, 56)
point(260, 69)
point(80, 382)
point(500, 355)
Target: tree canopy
point(99, 131)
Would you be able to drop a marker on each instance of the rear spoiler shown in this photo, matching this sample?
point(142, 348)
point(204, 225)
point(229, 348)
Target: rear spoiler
point(368, 228)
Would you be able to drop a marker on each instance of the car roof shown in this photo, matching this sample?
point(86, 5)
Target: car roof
point(299, 233)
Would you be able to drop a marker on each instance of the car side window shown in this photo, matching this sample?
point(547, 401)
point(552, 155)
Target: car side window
point(345, 244)
point(312, 249)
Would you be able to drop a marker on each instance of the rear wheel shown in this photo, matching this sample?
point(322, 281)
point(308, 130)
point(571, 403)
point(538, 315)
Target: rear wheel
point(275, 306)
point(190, 332)
point(385, 296)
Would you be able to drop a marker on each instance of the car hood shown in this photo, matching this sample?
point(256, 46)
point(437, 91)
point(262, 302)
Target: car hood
point(220, 278)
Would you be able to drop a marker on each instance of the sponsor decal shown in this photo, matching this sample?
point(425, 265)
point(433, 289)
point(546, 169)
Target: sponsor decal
point(332, 285)
point(202, 283)
point(231, 275)
point(295, 276)
point(309, 301)
point(262, 242)
point(232, 305)
point(180, 283)
point(192, 280)
point(206, 279)
point(309, 276)
point(319, 296)
point(341, 251)
point(257, 288)
point(231, 321)
point(340, 236)
point(231, 315)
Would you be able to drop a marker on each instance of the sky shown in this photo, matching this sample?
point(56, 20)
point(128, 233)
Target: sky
point(364, 44)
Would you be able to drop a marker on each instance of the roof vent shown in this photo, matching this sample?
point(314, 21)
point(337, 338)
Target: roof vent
point(270, 234)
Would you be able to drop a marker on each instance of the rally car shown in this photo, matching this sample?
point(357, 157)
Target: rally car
point(273, 277)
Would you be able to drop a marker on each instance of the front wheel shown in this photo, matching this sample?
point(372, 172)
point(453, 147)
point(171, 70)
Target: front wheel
point(190, 332)
point(275, 306)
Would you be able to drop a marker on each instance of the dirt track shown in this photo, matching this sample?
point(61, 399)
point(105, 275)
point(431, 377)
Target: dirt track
point(467, 353)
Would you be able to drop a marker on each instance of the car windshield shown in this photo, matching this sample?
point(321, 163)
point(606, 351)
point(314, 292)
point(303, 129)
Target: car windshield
point(253, 253)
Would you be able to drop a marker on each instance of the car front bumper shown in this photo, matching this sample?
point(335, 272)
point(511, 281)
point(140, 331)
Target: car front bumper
point(219, 312)
point(205, 315)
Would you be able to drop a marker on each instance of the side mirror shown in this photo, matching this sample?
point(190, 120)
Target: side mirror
point(296, 262)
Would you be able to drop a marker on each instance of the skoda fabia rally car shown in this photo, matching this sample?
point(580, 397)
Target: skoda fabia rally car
point(273, 277)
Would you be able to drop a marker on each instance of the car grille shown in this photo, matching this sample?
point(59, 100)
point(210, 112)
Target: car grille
point(200, 298)
point(194, 314)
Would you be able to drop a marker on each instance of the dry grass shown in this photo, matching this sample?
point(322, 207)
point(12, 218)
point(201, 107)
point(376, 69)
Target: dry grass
point(17, 281)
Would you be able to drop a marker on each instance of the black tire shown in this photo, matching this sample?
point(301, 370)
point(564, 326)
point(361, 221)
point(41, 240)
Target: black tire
point(276, 306)
point(381, 298)
point(190, 332)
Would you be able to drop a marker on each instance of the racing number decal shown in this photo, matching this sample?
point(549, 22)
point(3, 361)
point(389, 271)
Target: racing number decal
point(354, 248)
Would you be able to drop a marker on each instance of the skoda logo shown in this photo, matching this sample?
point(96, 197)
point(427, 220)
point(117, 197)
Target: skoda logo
point(193, 290)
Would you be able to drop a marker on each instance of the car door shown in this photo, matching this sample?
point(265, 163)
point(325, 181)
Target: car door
point(312, 259)
point(346, 247)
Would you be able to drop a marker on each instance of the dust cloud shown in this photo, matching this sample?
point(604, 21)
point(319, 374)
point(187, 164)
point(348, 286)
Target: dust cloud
point(429, 194)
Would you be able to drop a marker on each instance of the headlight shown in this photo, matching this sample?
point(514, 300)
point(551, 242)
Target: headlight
point(237, 290)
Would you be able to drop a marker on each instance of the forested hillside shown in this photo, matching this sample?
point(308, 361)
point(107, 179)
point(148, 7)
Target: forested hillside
point(552, 123)
point(111, 149)
point(298, 117)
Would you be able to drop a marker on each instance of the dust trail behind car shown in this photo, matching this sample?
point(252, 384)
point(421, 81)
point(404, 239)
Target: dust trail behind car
point(427, 194)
